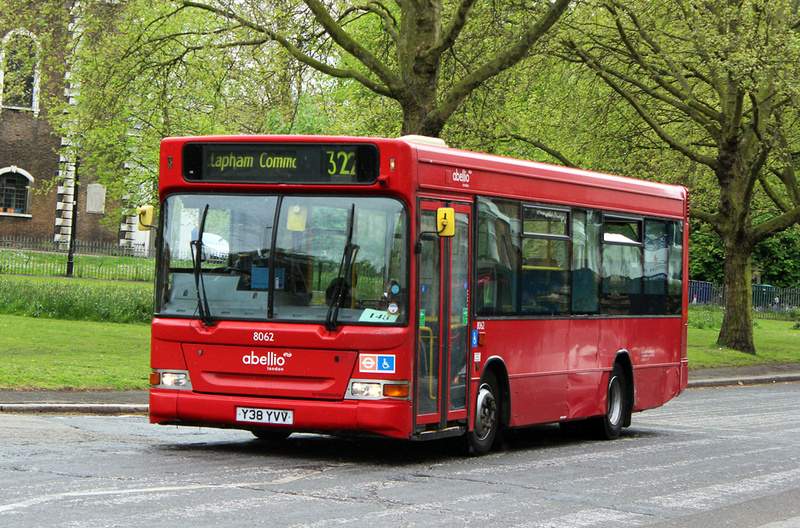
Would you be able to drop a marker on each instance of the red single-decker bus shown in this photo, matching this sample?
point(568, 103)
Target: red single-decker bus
point(402, 288)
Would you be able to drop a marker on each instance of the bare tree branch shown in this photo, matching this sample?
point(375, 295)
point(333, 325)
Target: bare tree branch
point(392, 82)
point(776, 224)
point(295, 51)
point(704, 216)
point(609, 76)
point(541, 146)
point(500, 63)
point(453, 29)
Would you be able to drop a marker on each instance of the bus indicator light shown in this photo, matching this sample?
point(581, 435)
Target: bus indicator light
point(400, 390)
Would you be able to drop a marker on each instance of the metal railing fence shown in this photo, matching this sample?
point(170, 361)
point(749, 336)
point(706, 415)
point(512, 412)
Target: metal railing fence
point(21, 255)
point(769, 302)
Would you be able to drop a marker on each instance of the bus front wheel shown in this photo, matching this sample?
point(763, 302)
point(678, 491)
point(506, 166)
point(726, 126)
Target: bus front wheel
point(487, 416)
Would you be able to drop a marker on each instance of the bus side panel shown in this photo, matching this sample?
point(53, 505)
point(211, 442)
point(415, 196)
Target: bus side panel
point(585, 388)
point(559, 367)
point(655, 350)
point(585, 394)
point(655, 386)
point(544, 364)
point(535, 353)
point(538, 398)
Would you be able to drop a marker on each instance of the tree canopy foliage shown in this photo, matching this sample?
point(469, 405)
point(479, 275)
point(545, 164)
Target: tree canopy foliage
point(716, 81)
point(144, 71)
point(150, 69)
point(428, 56)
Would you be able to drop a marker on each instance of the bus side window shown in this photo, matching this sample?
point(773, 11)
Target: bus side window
point(586, 229)
point(656, 262)
point(544, 280)
point(675, 269)
point(622, 266)
point(498, 255)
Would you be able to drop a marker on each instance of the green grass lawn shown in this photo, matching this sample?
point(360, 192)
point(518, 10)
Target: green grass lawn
point(39, 353)
point(76, 299)
point(776, 342)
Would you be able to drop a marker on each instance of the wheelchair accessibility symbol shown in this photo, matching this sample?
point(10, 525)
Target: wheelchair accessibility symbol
point(383, 363)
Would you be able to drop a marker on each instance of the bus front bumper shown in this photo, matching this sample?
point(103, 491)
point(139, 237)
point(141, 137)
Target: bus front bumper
point(390, 418)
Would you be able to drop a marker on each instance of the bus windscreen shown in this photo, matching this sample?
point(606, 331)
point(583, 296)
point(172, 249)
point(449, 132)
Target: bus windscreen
point(281, 163)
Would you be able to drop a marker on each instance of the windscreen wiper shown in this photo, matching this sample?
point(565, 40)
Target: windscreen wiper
point(197, 259)
point(272, 259)
point(331, 320)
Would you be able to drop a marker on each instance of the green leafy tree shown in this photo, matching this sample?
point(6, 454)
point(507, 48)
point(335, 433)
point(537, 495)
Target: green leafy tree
point(400, 52)
point(716, 81)
point(142, 71)
point(148, 69)
point(19, 67)
point(778, 258)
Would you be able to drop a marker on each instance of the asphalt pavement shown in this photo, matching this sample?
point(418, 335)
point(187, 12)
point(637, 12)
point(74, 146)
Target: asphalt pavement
point(135, 402)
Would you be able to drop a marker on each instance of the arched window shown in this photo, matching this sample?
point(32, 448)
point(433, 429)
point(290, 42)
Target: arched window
point(15, 191)
point(19, 71)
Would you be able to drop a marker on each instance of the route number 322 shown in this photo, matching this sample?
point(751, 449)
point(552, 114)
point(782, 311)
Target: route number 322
point(341, 163)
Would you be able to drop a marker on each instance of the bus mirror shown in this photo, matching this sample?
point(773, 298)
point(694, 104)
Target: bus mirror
point(145, 213)
point(297, 218)
point(446, 221)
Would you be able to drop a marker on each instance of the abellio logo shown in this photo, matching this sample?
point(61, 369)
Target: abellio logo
point(462, 176)
point(272, 360)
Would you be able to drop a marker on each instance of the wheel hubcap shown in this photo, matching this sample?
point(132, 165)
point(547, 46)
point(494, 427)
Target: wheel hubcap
point(614, 401)
point(487, 412)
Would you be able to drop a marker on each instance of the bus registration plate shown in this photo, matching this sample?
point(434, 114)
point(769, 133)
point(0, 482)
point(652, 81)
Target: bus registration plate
point(266, 416)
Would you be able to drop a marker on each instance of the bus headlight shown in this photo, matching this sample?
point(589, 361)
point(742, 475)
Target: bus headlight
point(360, 389)
point(170, 379)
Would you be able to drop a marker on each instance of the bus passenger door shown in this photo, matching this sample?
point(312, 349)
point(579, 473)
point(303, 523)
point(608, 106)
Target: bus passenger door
point(443, 344)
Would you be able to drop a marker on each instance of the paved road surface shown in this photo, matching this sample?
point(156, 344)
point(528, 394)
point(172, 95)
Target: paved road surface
point(712, 457)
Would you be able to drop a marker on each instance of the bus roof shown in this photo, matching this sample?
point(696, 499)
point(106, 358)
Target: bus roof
point(441, 168)
point(447, 169)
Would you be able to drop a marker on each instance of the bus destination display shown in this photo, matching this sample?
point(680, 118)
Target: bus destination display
point(281, 163)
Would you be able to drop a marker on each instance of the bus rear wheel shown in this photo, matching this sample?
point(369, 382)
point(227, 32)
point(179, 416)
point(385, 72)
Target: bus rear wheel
point(609, 426)
point(487, 417)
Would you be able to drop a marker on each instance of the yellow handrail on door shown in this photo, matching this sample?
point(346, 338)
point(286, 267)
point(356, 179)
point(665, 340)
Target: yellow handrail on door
point(431, 341)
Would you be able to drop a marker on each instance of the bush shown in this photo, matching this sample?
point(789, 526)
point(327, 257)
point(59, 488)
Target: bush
point(77, 300)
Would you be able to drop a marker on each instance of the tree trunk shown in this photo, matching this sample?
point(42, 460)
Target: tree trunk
point(422, 27)
point(737, 324)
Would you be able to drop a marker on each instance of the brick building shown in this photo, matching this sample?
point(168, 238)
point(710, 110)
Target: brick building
point(38, 186)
